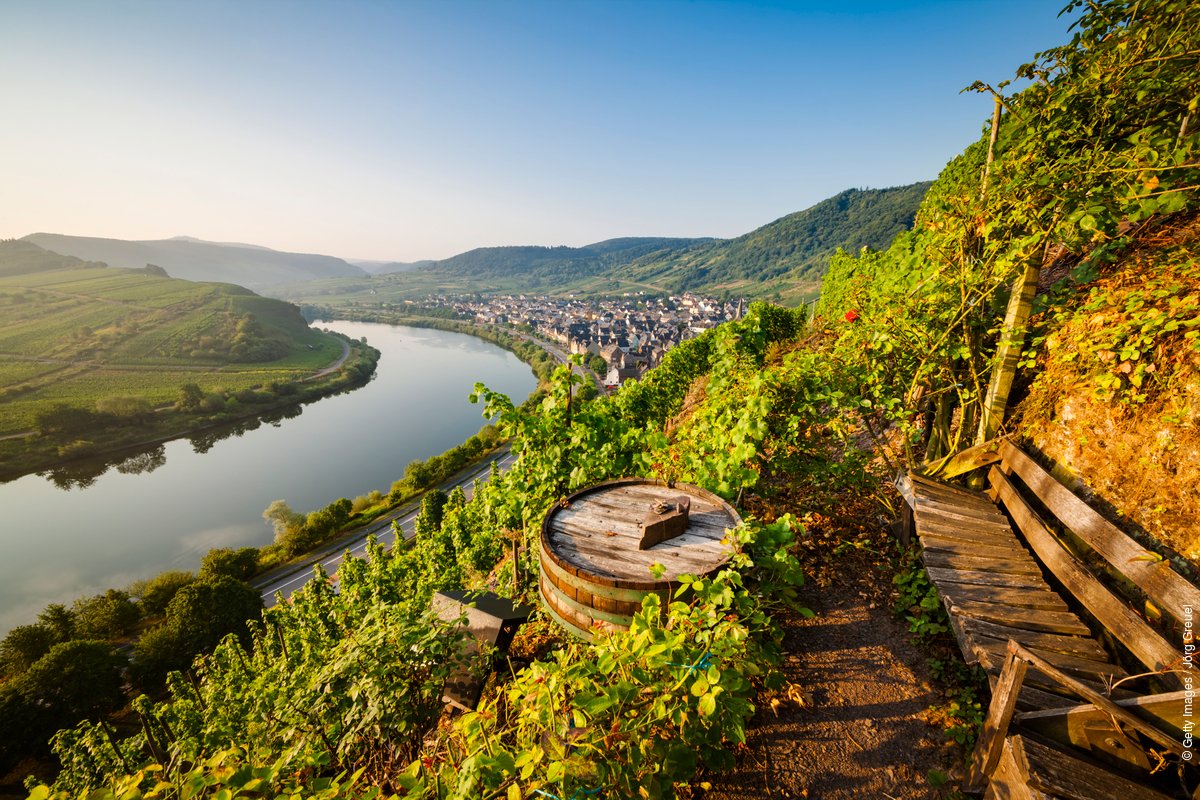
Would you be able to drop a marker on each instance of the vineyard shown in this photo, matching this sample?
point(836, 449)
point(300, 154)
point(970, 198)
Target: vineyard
point(1020, 304)
point(76, 338)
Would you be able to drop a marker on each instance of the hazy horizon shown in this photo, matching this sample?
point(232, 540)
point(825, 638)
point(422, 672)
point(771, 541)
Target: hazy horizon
point(401, 132)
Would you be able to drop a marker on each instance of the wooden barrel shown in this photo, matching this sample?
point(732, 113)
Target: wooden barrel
point(594, 573)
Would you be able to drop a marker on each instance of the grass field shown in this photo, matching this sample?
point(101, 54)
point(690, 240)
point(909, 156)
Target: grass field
point(80, 335)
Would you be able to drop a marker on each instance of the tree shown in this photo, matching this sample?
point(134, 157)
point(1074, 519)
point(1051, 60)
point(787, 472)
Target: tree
point(190, 397)
point(419, 474)
point(23, 646)
point(330, 519)
point(199, 616)
point(19, 717)
point(282, 517)
point(105, 616)
point(157, 593)
point(239, 564)
point(213, 402)
point(59, 619)
point(133, 409)
point(75, 680)
point(64, 418)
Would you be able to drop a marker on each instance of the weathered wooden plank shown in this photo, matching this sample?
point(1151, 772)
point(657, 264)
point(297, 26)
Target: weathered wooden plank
point(1101, 671)
point(949, 544)
point(1048, 686)
point(1163, 711)
point(982, 563)
point(1005, 537)
point(1166, 588)
point(932, 544)
point(952, 510)
point(1034, 699)
point(1022, 598)
point(936, 516)
point(907, 526)
point(905, 487)
point(1082, 646)
point(598, 555)
point(607, 511)
point(565, 531)
point(941, 575)
point(923, 487)
point(1029, 618)
point(920, 480)
point(629, 507)
point(1100, 701)
point(936, 498)
point(964, 461)
point(1060, 774)
point(1110, 611)
point(1010, 780)
point(990, 745)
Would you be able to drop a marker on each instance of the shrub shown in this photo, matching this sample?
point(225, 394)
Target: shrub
point(158, 592)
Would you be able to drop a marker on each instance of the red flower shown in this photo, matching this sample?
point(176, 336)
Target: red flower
point(851, 315)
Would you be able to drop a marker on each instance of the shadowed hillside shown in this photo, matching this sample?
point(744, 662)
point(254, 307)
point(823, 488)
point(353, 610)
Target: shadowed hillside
point(195, 260)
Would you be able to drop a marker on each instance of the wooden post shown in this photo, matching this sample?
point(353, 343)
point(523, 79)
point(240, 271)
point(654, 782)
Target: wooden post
point(995, 726)
point(1012, 337)
point(987, 168)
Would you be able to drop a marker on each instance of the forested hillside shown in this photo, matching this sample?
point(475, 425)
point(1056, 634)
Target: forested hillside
point(1048, 289)
point(196, 260)
point(785, 259)
point(542, 268)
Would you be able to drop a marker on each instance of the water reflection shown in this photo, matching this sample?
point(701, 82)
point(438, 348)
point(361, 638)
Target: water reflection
point(84, 472)
point(139, 512)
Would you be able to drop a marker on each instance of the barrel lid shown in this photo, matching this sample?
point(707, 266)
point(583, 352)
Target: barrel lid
point(595, 533)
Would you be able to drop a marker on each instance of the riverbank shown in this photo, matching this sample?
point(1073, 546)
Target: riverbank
point(123, 437)
point(539, 358)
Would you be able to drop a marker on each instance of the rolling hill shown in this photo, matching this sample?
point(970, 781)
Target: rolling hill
point(785, 258)
point(546, 268)
point(195, 260)
point(76, 332)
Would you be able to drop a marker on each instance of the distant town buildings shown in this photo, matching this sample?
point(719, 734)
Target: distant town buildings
point(631, 334)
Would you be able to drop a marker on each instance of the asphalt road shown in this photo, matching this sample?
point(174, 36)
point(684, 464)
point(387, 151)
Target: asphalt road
point(296, 576)
point(331, 557)
point(561, 356)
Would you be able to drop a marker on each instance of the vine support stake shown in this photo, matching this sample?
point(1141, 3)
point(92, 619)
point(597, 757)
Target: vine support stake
point(1012, 337)
point(991, 154)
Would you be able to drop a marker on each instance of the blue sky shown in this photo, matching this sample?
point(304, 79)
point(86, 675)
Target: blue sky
point(408, 130)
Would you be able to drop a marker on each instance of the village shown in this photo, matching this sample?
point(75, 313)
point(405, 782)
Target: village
point(630, 335)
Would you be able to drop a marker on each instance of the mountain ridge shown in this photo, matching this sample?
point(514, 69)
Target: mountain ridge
point(183, 257)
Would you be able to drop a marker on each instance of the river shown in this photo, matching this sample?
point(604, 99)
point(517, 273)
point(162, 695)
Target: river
point(164, 508)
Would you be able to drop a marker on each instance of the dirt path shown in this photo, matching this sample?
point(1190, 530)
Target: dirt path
point(856, 724)
point(335, 366)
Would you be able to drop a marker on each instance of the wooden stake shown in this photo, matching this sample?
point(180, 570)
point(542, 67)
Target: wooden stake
point(1012, 337)
point(991, 144)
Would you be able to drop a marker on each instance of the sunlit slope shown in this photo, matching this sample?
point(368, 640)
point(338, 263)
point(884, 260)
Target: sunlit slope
point(782, 260)
point(83, 333)
point(785, 259)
